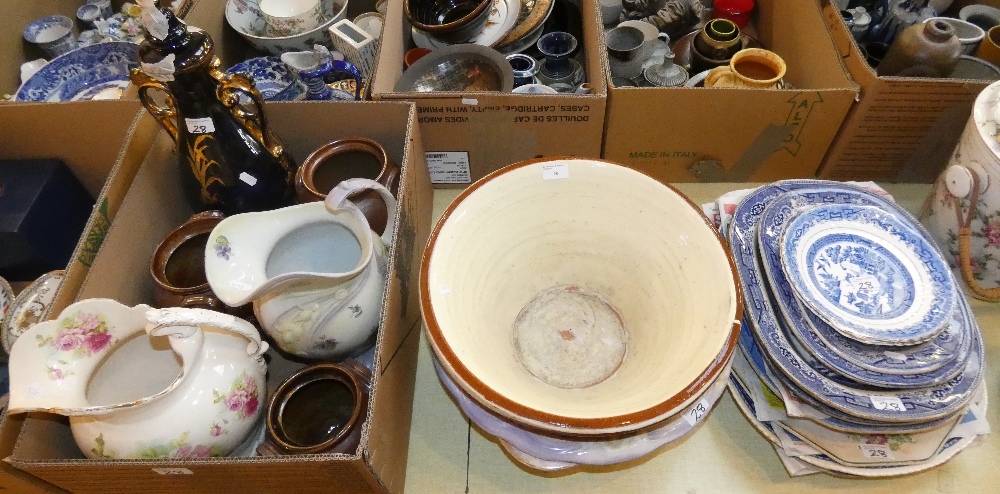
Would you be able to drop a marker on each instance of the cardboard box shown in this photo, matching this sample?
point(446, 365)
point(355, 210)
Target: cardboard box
point(740, 135)
point(100, 157)
point(152, 207)
point(903, 128)
point(468, 135)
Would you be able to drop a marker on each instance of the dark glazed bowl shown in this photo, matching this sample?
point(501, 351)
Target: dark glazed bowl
point(460, 68)
point(448, 21)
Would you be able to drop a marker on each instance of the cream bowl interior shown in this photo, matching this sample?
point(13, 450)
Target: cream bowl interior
point(608, 230)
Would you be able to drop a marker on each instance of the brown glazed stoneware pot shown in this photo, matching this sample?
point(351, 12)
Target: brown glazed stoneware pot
point(178, 265)
point(178, 268)
point(318, 410)
point(340, 160)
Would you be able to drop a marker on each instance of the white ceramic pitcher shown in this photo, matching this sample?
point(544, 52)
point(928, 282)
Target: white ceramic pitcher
point(963, 212)
point(315, 272)
point(139, 382)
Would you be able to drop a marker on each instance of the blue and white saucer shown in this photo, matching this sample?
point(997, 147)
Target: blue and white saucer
point(272, 77)
point(913, 406)
point(907, 365)
point(867, 274)
point(98, 71)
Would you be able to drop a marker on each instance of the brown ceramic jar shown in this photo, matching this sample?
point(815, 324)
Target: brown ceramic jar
point(340, 160)
point(318, 410)
point(178, 265)
point(930, 49)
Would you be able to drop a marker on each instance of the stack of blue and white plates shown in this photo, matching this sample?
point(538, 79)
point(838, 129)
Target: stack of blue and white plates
point(860, 355)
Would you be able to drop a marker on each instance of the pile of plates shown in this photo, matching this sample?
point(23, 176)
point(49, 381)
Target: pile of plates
point(860, 356)
point(512, 27)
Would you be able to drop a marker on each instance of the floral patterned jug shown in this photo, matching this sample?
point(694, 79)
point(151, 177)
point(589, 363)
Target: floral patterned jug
point(194, 387)
point(315, 272)
point(963, 212)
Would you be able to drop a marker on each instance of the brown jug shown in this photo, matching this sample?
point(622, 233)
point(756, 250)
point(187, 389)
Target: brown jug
point(930, 49)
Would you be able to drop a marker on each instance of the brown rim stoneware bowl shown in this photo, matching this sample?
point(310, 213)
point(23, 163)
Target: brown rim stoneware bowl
point(448, 21)
point(579, 297)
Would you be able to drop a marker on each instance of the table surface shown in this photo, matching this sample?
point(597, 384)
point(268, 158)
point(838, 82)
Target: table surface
point(725, 454)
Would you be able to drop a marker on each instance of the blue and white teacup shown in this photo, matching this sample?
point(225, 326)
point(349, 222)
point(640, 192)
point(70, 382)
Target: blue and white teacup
point(53, 33)
point(105, 5)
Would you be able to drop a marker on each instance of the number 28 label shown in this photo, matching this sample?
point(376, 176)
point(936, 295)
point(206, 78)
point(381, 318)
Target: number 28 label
point(697, 412)
point(200, 125)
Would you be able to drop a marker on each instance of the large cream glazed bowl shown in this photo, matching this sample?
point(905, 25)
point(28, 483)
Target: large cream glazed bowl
point(579, 297)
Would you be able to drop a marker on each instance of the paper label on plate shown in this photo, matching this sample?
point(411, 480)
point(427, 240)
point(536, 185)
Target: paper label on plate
point(890, 403)
point(555, 172)
point(449, 167)
point(866, 283)
point(173, 471)
point(200, 125)
point(697, 412)
point(899, 357)
point(877, 451)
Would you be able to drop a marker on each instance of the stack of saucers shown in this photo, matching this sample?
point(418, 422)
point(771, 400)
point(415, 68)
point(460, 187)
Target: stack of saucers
point(859, 354)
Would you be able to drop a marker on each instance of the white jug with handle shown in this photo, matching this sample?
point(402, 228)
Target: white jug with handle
point(315, 272)
point(963, 212)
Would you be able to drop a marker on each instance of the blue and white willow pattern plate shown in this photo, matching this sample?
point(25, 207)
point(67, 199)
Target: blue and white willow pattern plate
point(82, 73)
point(919, 405)
point(272, 77)
point(867, 274)
point(815, 335)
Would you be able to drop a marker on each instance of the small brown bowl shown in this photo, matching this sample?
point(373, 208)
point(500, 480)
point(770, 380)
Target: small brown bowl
point(178, 265)
point(448, 21)
point(319, 409)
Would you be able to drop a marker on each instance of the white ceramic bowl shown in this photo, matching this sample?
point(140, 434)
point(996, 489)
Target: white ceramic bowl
point(246, 18)
point(579, 297)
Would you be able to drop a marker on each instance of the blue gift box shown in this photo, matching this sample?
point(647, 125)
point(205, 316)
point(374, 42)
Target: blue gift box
point(43, 211)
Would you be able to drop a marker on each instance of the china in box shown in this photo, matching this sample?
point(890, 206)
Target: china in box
point(734, 134)
point(153, 205)
point(902, 128)
point(468, 135)
point(104, 159)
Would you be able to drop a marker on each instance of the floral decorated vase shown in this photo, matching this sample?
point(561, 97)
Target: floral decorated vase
point(195, 387)
point(963, 212)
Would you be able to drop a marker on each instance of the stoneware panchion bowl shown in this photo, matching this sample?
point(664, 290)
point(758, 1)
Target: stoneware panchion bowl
point(579, 297)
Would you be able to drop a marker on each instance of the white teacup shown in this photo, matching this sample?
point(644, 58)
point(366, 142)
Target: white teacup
point(291, 17)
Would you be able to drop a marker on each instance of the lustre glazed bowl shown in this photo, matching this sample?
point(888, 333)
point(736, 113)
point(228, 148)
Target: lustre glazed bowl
point(579, 297)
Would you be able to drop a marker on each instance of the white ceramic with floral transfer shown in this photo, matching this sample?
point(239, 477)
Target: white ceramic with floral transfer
point(315, 272)
point(975, 161)
point(145, 383)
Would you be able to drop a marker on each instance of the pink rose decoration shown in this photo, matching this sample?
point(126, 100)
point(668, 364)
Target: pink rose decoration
point(67, 341)
point(97, 341)
point(216, 430)
point(251, 407)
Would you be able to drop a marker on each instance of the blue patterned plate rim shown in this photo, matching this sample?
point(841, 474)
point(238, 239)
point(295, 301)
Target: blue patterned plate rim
point(951, 447)
point(810, 333)
point(920, 405)
point(45, 84)
point(866, 273)
point(828, 418)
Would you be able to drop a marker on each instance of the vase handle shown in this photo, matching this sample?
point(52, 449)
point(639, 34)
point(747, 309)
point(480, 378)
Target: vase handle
point(341, 67)
point(965, 232)
point(165, 115)
point(231, 86)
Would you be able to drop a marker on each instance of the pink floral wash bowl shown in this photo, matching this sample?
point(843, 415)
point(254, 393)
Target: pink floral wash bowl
point(204, 366)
